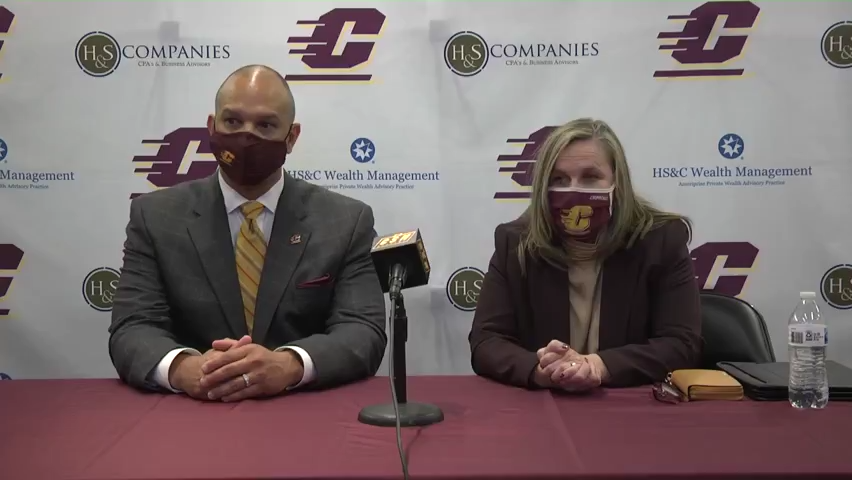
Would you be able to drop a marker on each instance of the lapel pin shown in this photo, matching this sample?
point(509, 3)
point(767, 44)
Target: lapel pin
point(295, 239)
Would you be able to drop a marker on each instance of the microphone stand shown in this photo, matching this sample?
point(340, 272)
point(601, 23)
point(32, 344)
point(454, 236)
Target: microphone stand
point(409, 414)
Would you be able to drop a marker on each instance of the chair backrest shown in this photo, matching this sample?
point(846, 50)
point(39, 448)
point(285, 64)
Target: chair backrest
point(733, 331)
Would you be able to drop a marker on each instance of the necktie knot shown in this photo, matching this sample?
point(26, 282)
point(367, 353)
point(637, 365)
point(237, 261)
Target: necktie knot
point(251, 210)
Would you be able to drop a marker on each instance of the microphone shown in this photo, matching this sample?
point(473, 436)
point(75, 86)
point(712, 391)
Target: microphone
point(401, 262)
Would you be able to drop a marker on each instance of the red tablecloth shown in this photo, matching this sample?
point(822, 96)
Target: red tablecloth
point(100, 429)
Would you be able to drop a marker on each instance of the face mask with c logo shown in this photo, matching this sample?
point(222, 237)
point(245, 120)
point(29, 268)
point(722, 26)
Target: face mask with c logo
point(246, 158)
point(580, 213)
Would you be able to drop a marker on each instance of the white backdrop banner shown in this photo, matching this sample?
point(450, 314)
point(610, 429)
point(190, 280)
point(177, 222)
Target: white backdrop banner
point(735, 113)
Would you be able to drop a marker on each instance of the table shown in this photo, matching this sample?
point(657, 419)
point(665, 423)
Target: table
point(101, 429)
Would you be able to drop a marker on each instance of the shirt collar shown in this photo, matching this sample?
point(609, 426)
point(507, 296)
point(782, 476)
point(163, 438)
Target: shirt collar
point(234, 200)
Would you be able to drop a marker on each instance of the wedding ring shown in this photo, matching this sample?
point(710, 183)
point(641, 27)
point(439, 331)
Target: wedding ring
point(246, 379)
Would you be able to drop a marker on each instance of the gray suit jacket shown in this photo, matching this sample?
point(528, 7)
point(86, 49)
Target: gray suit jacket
point(179, 288)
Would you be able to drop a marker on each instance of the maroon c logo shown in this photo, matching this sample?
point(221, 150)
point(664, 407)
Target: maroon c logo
point(523, 163)
point(163, 169)
point(318, 54)
point(10, 260)
point(739, 259)
point(6, 19)
point(689, 48)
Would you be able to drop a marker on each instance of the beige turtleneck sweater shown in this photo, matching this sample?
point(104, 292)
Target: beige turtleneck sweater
point(584, 294)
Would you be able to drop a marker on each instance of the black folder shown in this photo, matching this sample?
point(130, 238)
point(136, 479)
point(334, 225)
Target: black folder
point(768, 381)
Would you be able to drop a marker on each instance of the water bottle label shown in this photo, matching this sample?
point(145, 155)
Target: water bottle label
point(808, 335)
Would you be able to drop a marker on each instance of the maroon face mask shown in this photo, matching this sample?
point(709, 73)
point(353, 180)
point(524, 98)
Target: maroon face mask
point(246, 158)
point(580, 213)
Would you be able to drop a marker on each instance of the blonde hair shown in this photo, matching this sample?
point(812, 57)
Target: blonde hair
point(633, 217)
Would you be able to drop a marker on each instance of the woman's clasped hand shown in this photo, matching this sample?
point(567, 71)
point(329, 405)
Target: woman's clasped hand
point(562, 367)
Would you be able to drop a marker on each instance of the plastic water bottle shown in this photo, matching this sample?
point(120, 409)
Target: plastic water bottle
point(807, 341)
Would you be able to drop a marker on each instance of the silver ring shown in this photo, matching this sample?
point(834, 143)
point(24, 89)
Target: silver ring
point(246, 379)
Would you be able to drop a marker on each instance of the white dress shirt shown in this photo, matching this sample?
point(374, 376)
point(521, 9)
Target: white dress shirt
point(233, 202)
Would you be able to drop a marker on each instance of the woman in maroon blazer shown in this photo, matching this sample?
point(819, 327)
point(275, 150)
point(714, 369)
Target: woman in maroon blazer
point(592, 285)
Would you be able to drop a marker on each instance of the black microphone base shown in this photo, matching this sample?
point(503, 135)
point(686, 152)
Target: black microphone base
point(410, 415)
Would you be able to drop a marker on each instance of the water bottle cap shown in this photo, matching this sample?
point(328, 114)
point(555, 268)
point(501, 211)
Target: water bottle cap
point(807, 295)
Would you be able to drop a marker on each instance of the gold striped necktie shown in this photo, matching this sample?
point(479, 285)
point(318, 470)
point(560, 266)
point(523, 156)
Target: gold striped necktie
point(251, 252)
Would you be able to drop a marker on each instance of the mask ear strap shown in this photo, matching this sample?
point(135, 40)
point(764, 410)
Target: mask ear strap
point(611, 198)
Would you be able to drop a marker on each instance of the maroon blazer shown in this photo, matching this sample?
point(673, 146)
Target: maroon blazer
point(650, 320)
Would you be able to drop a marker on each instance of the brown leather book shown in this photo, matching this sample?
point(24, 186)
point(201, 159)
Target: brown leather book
point(696, 384)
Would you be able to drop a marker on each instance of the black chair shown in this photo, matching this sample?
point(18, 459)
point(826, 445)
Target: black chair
point(732, 331)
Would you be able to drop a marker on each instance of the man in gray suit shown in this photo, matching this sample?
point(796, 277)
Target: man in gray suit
point(215, 302)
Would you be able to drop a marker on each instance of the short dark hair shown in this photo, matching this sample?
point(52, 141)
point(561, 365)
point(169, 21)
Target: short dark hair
point(249, 68)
